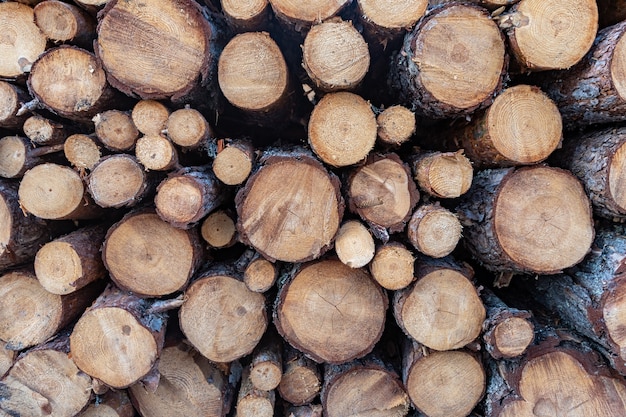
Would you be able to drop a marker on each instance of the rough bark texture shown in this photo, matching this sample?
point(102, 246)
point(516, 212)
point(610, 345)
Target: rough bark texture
point(301, 380)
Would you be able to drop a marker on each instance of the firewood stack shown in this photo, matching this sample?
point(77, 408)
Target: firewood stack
point(318, 208)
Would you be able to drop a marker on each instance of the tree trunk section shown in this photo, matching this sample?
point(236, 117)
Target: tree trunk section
point(301, 380)
point(150, 116)
point(82, 151)
point(11, 99)
point(188, 128)
point(156, 153)
point(451, 64)
point(115, 130)
point(396, 125)
point(65, 23)
point(233, 164)
point(18, 155)
point(43, 131)
point(385, 23)
point(527, 220)
point(219, 229)
point(266, 362)
point(434, 230)
point(253, 402)
point(354, 244)
point(393, 266)
point(247, 15)
point(301, 16)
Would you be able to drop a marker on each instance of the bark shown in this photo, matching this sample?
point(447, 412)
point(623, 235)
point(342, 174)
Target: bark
point(434, 230)
point(43, 131)
point(65, 23)
point(18, 155)
point(301, 380)
point(111, 404)
point(527, 220)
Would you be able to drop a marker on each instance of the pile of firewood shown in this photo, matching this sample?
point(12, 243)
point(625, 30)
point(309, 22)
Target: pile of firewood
point(330, 207)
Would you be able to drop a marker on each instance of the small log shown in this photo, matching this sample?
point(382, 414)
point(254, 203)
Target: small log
point(233, 164)
point(150, 257)
point(393, 266)
point(547, 38)
point(112, 404)
point(118, 338)
point(333, 320)
point(598, 159)
point(18, 155)
point(335, 55)
point(507, 331)
point(82, 151)
point(56, 192)
point(12, 97)
point(396, 125)
point(219, 230)
point(259, 274)
point(342, 129)
point(43, 131)
point(22, 41)
point(442, 384)
point(188, 128)
point(382, 192)
point(310, 410)
point(146, 34)
point(442, 174)
point(386, 22)
point(523, 126)
point(301, 16)
point(47, 371)
point(71, 262)
point(150, 116)
point(354, 244)
point(301, 380)
point(115, 130)
point(434, 230)
point(451, 64)
point(234, 322)
point(594, 90)
point(442, 309)
point(189, 385)
point(65, 23)
point(246, 15)
point(188, 195)
point(291, 223)
point(156, 153)
point(253, 402)
point(266, 362)
point(30, 315)
point(119, 181)
point(528, 220)
point(70, 82)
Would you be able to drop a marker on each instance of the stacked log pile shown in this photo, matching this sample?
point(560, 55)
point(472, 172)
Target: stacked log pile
point(322, 208)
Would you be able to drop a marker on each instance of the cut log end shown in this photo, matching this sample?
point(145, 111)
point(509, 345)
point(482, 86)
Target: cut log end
point(396, 125)
point(443, 175)
point(392, 266)
point(63, 22)
point(156, 152)
point(13, 152)
point(179, 200)
point(260, 275)
point(513, 336)
point(82, 151)
point(117, 181)
point(150, 116)
point(232, 165)
point(116, 130)
point(434, 230)
point(305, 14)
point(354, 244)
point(188, 128)
point(219, 230)
point(393, 15)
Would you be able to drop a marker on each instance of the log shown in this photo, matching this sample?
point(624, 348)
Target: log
point(11, 98)
point(451, 64)
point(527, 220)
point(442, 174)
point(189, 385)
point(260, 275)
point(112, 404)
point(354, 244)
point(333, 320)
point(335, 55)
point(22, 41)
point(71, 82)
point(547, 37)
point(150, 116)
point(219, 230)
point(30, 315)
point(523, 126)
point(48, 372)
point(188, 128)
point(266, 362)
point(393, 266)
point(291, 223)
point(301, 16)
point(82, 151)
point(115, 130)
point(156, 153)
point(18, 155)
point(147, 35)
point(150, 257)
point(187, 195)
point(56, 192)
point(597, 159)
point(442, 384)
point(594, 90)
point(119, 181)
point(342, 129)
point(246, 15)
point(234, 321)
point(396, 125)
point(118, 339)
point(434, 230)
point(442, 309)
point(71, 262)
point(43, 131)
point(301, 380)
point(252, 402)
point(385, 21)
point(382, 192)
point(65, 23)
point(233, 164)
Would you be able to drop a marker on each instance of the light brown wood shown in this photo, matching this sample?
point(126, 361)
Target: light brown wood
point(294, 221)
point(43, 131)
point(334, 319)
point(301, 15)
point(153, 50)
point(442, 174)
point(82, 151)
point(111, 404)
point(234, 322)
point(56, 192)
point(233, 164)
point(65, 23)
point(335, 55)
point(189, 385)
point(150, 116)
point(246, 15)
point(266, 362)
point(150, 257)
point(396, 125)
point(389, 19)
point(301, 380)
point(260, 275)
point(22, 41)
point(119, 181)
point(219, 230)
point(441, 310)
point(354, 244)
point(310, 410)
point(188, 128)
point(11, 99)
point(392, 266)
point(342, 129)
point(115, 130)
point(156, 153)
point(434, 230)
point(544, 37)
point(18, 155)
point(252, 402)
